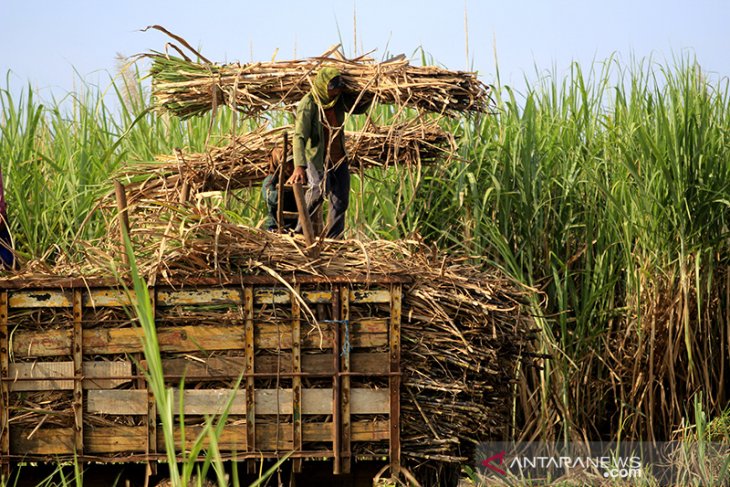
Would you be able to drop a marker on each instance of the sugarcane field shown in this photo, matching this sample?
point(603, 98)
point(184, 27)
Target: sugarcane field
point(363, 268)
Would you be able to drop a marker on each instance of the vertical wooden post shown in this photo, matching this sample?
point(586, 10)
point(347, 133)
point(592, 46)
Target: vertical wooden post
point(78, 356)
point(345, 367)
point(249, 370)
point(296, 355)
point(4, 388)
point(394, 382)
point(151, 407)
point(336, 384)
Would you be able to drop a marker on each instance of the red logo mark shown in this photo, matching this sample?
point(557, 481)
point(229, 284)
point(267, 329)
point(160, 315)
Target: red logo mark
point(498, 457)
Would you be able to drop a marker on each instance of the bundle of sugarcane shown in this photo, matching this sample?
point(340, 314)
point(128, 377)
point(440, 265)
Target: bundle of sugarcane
point(463, 331)
point(245, 160)
point(187, 88)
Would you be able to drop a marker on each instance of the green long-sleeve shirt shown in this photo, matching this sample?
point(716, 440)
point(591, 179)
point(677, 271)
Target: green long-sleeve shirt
point(309, 143)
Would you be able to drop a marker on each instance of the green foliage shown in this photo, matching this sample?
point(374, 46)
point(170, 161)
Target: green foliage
point(608, 191)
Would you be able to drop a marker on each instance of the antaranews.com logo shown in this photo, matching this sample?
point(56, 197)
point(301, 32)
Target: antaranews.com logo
point(534, 465)
point(629, 463)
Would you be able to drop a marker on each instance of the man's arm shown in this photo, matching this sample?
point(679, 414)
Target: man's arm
point(302, 133)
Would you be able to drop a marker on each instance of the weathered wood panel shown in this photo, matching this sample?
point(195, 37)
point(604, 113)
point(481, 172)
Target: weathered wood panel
point(112, 297)
point(258, 343)
point(105, 341)
point(215, 367)
point(126, 439)
point(209, 296)
point(41, 299)
point(213, 401)
point(59, 375)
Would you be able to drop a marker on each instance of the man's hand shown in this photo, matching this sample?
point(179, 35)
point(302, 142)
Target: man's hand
point(298, 176)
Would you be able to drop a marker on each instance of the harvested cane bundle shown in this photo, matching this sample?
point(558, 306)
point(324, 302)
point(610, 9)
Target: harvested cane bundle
point(186, 88)
point(463, 333)
point(244, 161)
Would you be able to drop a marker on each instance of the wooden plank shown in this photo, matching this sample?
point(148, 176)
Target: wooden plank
point(205, 296)
point(345, 367)
point(358, 296)
point(109, 297)
point(48, 343)
point(117, 439)
point(132, 439)
point(282, 296)
point(363, 333)
point(4, 386)
point(50, 376)
point(115, 297)
point(248, 352)
point(196, 369)
point(44, 441)
point(78, 356)
point(263, 296)
point(102, 341)
point(362, 401)
point(337, 385)
point(116, 401)
point(96, 374)
point(317, 297)
point(296, 367)
point(50, 298)
point(209, 401)
point(151, 423)
point(212, 401)
point(394, 381)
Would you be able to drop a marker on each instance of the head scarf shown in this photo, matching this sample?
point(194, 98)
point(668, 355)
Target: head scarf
point(319, 87)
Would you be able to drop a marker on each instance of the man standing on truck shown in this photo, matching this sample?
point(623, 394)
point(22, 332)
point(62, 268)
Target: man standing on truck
point(270, 191)
point(319, 147)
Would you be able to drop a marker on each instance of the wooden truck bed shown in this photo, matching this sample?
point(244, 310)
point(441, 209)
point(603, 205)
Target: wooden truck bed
point(73, 382)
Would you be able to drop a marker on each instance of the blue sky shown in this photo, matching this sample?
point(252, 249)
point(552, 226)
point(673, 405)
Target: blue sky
point(45, 43)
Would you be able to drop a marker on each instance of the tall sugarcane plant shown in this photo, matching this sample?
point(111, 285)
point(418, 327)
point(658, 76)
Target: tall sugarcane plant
point(605, 190)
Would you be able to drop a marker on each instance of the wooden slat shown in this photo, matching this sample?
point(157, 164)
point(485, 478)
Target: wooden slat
point(317, 297)
point(115, 401)
point(41, 299)
point(116, 439)
point(213, 401)
point(337, 385)
point(44, 441)
point(102, 341)
point(196, 369)
point(96, 374)
point(78, 354)
point(296, 366)
point(126, 439)
point(265, 296)
point(248, 352)
point(115, 297)
point(206, 296)
point(345, 367)
point(4, 386)
point(50, 376)
point(394, 381)
point(358, 296)
point(151, 446)
point(107, 297)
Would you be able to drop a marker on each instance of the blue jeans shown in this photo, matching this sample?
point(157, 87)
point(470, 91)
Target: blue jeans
point(335, 185)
